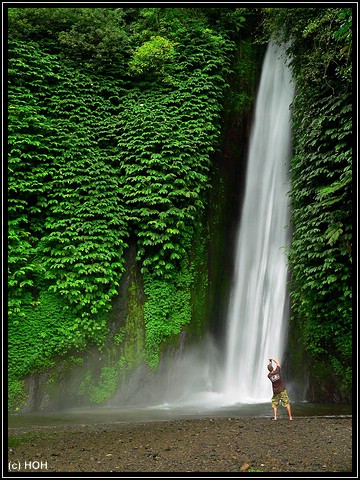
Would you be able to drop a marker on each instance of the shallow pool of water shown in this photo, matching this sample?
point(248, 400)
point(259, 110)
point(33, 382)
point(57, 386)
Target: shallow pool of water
point(114, 414)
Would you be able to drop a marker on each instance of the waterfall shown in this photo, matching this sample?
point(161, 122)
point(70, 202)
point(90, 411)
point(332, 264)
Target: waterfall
point(258, 308)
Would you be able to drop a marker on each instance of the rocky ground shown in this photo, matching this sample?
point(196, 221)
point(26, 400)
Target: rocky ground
point(200, 446)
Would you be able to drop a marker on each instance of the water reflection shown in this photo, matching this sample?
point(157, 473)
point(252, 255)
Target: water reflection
point(164, 412)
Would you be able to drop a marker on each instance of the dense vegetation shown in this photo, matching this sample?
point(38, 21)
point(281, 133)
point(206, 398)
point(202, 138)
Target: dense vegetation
point(115, 115)
point(320, 53)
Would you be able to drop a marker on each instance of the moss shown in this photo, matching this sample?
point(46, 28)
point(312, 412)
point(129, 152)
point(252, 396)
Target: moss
point(106, 386)
point(123, 350)
point(131, 337)
point(166, 311)
point(17, 441)
point(97, 391)
point(42, 335)
point(16, 394)
point(199, 286)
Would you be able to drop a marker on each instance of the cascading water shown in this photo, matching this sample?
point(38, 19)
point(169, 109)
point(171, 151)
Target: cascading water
point(258, 310)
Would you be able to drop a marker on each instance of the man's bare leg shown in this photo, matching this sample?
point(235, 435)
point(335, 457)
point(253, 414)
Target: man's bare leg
point(289, 412)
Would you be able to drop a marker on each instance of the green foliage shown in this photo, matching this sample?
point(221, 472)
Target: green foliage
point(199, 284)
point(99, 38)
point(114, 116)
point(321, 174)
point(320, 42)
point(166, 168)
point(92, 38)
point(65, 215)
point(153, 56)
point(46, 329)
point(106, 386)
point(114, 119)
point(240, 99)
point(16, 394)
point(167, 310)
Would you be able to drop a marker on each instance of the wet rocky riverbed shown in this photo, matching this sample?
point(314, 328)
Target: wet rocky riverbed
point(198, 445)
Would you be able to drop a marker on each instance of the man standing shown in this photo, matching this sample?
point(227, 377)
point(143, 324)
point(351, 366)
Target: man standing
point(279, 391)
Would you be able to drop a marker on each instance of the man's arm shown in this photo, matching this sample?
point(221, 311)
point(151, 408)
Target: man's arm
point(276, 361)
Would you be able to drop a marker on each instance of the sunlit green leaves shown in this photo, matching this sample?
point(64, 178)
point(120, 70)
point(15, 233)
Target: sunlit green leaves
point(153, 56)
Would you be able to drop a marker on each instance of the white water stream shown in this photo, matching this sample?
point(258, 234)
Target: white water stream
point(258, 310)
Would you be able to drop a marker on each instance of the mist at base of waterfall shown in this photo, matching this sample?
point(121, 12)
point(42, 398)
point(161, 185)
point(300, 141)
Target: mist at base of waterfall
point(195, 380)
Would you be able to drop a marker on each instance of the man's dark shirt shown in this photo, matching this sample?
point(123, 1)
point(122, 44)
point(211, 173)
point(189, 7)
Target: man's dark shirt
point(275, 378)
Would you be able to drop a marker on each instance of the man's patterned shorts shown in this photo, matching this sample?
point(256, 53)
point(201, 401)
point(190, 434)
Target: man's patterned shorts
point(283, 397)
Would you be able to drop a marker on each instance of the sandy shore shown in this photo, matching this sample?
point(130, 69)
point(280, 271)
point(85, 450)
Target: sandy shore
point(230, 445)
